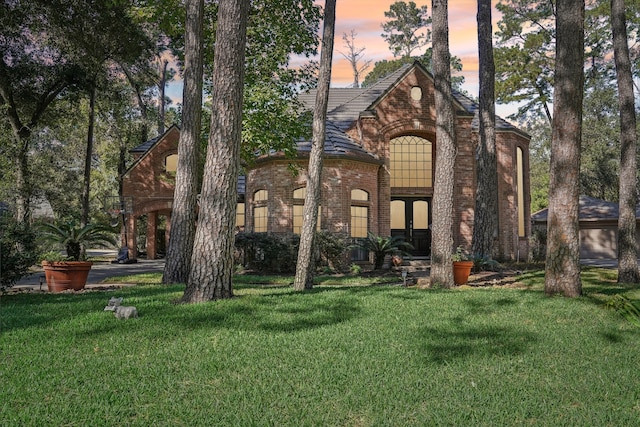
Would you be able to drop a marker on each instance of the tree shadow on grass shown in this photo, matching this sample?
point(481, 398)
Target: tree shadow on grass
point(443, 344)
point(467, 334)
point(281, 312)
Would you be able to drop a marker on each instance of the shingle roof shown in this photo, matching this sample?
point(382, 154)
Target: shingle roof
point(346, 104)
point(590, 209)
point(146, 146)
point(337, 143)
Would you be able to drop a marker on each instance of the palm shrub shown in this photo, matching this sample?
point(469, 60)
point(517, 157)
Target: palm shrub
point(382, 246)
point(74, 237)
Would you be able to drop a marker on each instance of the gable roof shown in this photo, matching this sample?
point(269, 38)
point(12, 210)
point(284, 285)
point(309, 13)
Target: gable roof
point(145, 148)
point(346, 104)
point(590, 209)
point(148, 145)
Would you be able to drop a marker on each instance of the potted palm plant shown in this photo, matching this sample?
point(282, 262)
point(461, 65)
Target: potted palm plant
point(71, 271)
point(462, 265)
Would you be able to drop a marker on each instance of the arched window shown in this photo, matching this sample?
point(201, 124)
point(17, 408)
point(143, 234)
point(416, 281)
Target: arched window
point(359, 213)
point(260, 211)
point(171, 163)
point(411, 162)
point(298, 210)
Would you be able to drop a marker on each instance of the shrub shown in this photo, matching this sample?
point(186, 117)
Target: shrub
point(333, 248)
point(538, 244)
point(267, 252)
point(355, 269)
point(481, 263)
point(17, 251)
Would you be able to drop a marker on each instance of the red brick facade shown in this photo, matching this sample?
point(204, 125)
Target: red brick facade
point(395, 114)
point(151, 190)
point(392, 113)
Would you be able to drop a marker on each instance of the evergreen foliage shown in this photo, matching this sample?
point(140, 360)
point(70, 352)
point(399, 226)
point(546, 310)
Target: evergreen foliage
point(18, 250)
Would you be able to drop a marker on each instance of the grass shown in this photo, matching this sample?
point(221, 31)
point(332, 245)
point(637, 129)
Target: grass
point(344, 355)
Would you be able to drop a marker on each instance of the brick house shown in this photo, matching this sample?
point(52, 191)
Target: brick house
point(377, 173)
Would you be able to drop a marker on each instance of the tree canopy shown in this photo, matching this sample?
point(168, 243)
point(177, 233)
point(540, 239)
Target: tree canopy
point(402, 30)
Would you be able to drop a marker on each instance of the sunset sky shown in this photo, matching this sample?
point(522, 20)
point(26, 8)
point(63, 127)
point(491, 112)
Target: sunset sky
point(366, 18)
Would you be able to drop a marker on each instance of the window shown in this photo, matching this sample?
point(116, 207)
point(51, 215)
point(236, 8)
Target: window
point(298, 210)
point(240, 215)
point(171, 163)
point(398, 215)
point(260, 211)
point(261, 196)
point(359, 220)
point(416, 93)
point(359, 213)
point(520, 190)
point(359, 195)
point(411, 161)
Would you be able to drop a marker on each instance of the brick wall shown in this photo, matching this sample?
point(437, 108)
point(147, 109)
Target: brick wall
point(147, 182)
point(397, 114)
point(339, 177)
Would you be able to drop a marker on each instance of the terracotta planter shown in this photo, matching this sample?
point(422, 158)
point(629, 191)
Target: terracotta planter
point(64, 275)
point(461, 271)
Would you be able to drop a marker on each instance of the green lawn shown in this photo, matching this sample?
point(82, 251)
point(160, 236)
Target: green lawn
point(342, 355)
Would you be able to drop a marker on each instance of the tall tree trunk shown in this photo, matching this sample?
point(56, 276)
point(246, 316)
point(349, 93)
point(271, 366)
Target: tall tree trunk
point(485, 226)
point(183, 217)
point(23, 181)
point(162, 85)
point(442, 243)
point(306, 261)
point(86, 188)
point(212, 257)
point(627, 251)
point(562, 272)
point(122, 168)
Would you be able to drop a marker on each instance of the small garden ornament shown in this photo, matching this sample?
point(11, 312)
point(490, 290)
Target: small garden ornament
point(121, 311)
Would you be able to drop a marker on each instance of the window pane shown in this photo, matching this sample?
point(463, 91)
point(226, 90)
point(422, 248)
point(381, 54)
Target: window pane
point(298, 215)
point(411, 162)
point(397, 215)
point(359, 221)
point(297, 218)
point(300, 193)
point(171, 163)
point(420, 215)
point(240, 215)
point(358, 194)
point(260, 216)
